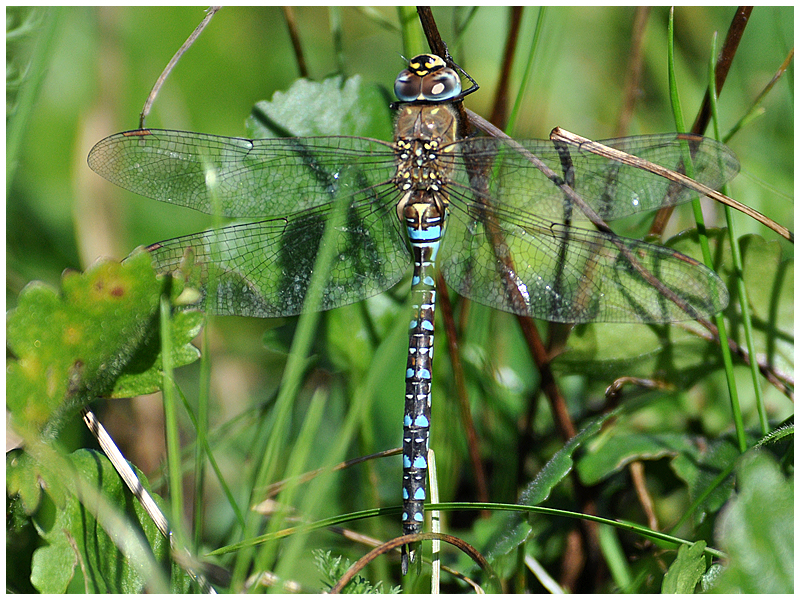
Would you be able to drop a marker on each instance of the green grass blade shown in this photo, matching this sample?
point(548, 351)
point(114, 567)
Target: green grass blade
point(736, 255)
point(701, 229)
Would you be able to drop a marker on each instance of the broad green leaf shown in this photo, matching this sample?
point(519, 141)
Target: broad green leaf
point(756, 530)
point(78, 554)
point(72, 346)
point(611, 453)
point(701, 470)
point(330, 107)
point(686, 570)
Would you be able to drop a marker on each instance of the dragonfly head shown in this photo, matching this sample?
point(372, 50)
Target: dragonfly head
point(427, 79)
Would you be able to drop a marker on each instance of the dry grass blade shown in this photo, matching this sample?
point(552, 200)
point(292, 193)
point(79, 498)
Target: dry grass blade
point(127, 474)
point(562, 135)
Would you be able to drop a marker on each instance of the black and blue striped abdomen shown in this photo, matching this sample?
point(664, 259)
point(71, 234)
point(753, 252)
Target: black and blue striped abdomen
point(424, 217)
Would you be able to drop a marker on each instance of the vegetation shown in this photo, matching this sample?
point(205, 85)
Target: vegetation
point(688, 498)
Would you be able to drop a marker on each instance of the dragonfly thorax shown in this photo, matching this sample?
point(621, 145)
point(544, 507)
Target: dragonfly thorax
point(419, 167)
point(424, 147)
point(424, 155)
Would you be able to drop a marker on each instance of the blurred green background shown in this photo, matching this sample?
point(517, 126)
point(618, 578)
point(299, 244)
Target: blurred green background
point(103, 62)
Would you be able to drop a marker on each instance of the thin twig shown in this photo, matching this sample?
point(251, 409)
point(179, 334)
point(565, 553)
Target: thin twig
point(499, 115)
point(636, 469)
point(171, 65)
point(679, 178)
point(728, 51)
point(294, 36)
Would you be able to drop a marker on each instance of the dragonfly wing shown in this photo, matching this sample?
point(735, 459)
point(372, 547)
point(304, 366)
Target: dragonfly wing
point(611, 188)
point(522, 264)
point(237, 177)
point(264, 269)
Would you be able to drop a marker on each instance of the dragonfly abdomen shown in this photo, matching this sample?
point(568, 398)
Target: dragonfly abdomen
point(424, 217)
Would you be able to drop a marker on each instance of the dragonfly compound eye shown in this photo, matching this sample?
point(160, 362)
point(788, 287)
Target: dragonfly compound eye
point(407, 86)
point(444, 84)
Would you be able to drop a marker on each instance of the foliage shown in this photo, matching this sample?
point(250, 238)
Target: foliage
point(97, 338)
point(85, 549)
point(730, 514)
point(756, 529)
point(334, 567)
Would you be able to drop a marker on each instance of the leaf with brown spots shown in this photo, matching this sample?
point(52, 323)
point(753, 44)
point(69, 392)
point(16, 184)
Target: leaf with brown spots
point(98, 336)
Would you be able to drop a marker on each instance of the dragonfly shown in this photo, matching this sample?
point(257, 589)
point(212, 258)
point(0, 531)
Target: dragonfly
point(498, 229)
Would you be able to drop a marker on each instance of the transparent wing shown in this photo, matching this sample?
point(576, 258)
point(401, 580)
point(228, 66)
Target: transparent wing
point(264, 269)
point(564, 274)
point(611, 188)
point(252, 178)
point(278, 176)
point(519, 263)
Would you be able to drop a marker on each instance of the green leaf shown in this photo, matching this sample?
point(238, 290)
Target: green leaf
point(97, 337)
point(332, 107)
point(560, 465)
point(515, 531)
point(352, 333)
point(24, 480)
point(709, 579)
point(78, 554)
point(686, 570)
point(613, 452)
point(700, 470)
point(756, 529)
